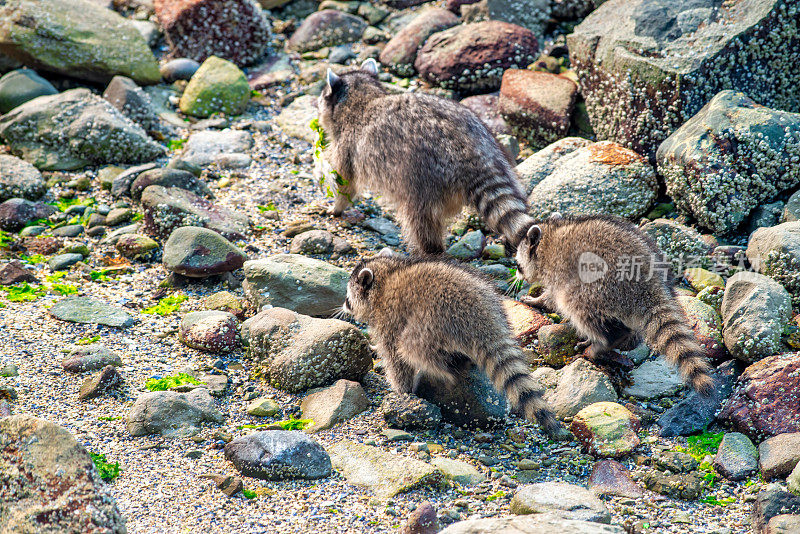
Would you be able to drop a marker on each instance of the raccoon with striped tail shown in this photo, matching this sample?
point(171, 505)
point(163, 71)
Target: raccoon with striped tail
point(428, 156)
point(615, 286)
point(425, 315)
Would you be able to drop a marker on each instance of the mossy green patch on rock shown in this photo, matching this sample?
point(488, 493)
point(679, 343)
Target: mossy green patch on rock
point(218, 86)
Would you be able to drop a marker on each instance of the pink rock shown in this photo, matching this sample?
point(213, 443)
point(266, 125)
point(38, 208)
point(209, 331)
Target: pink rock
point(609, 477)
point(401, 51)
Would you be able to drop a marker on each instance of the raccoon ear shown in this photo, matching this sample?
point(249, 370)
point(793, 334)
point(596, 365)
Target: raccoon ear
point(370, 66)
point(534, 234)
point(385, 252)
point(365, 277)
point(556, 216)
point(334, 81)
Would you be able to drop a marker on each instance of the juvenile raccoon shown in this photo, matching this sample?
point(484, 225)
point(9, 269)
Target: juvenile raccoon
point(427, 155)
point(425, 314)
point(614, 285)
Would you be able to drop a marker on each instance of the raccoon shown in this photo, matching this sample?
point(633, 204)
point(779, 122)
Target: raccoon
point(615, 286)
point(428, 316)
point(428, 156)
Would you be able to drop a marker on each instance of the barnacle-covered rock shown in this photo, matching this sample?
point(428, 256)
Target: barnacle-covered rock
point(730, 158)
point(486, 108)
point(775, 252)
point(401, 51)
point(19, 179)
point(530, 14)
point(647, 66)
point(600, 178)
point(327, 27)
point(471, 58)
point(236, 30)
point(683, 245)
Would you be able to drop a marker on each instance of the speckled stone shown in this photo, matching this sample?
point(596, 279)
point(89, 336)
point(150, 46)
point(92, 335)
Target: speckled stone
point(327, 27)
point(210, 331)
point(278, 455)
point(566, 500)
point(19, 179)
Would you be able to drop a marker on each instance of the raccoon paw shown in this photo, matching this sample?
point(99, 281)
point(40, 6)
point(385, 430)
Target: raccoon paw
point(334, 212)
point(536, 302)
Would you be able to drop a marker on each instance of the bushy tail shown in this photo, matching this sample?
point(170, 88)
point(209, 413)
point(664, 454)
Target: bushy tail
point(501, 203)
point(507, 369)
point(667, 331)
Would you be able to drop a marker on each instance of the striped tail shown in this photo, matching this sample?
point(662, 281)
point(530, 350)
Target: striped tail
point(667, 331)
point(501, 203)
point(507, 369)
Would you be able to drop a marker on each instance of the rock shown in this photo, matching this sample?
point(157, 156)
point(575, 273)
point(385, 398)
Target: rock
point(471, 58)
point(606, 429)
point(278, 455)
point(301, 284)
point(531, 524)
point(199, 252)
point(654, 378)
point(525, 322)
point(784, 524)
point(218, 86)
point(580, 384)
point(74, 129)
point(15, 213)
point(227, 484)
point(96, 385)
point(765, 402)
point(409, 412)
point(460, 472)
point(601, 178)
point(295, 118)
point(393, 434)
point(51, 484)
point(77, 39)
point(472, 402)
point(312, 242)
point(180, 69)
point(263, 407)
point(775, 252)
point(676, 462)
point(771, 502)
point(778, 455)
point(706, 323)
point(135, 246)
point(70, 230)
point(793, 480)
point(91, 357)
point(401, 51)
point(225, 301)
point(118, 216)
point(379, 472)
point(236, 30)
point(172, 414)
point(327, 27)
point(541, 164)
point(168, 208)
point(226, 148)
point(755, 310)
point(87, 310)
point(737, 457)
point(168, 178)
point(14, 272)
point(681, 244)
point(764, 215)
point(133, 102)
point(121, 183)
point(422, 520)
point(20, 86)
point(610, 477)
point(210, 331)
point(468, 247)
point(486, 107)
point(537, 105)
point(686, 52)
point(532, 14)
point(565, 500)
point(557, 343)
point(296, 352)
point(718, 184)
point(63, 262)
point(678, 486)
point(333, 404)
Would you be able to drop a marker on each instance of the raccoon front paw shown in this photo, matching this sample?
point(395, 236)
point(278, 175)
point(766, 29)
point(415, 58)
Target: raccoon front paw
point(335, 212)
point(535, 302)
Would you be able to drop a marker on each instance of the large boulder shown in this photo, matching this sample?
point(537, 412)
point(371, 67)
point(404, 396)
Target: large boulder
point(471, 58)
point(680, 243)
point(172, 414)
point(236, 30)
point(646, 66)
point(50, 484)
point(542, 163)
point(19, 86)
point(775, 252)
point(764, 403)
point(278, 455)
point(401, 51)
point(327, 27)
point(75, 38)
point(778, 455)
point(296, 282)
point(601, 178)
point(74, 129)
point(737, 457)
point(755, 310)
point(199, 252)
point(218, 86)
point(295, 352)
point(730, 158)
point(19, 179)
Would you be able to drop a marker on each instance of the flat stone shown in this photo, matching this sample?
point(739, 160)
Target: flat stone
point(278, 455)
point(579, 385)
point(172, 414)
point(92, 357)
point(168, 178)
point(653, 379)
point(524, 321)
point(461, 472)
point(566, 500)
point(14, 272)
point(610, 477)
point(331, 405)
point(87, 310)
point(136, 246)
point(532, 524)
point(263, 407)
point(222, 147)
point(678, 486)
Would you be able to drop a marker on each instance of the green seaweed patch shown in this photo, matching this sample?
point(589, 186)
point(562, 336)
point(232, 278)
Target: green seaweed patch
point(109, 418)
point(166, 306)
point(497, 495)
point(102, 275)
point(87, 340)
point(176, 144)
point(268, 207)
point(700, 446)
point(249, 494)
point(107, 470)
point(22, 292)
point(6, 239)
point(63, 204)
point(33, 259)
point(713, 501)
point(330, 181)
point(64, 289)
point(167, 382)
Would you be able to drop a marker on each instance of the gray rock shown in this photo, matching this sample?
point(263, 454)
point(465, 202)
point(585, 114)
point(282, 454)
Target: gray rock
point(15, 213)
point(19, 179)
point(771, 502)
point(680, 243)
point(409, 412)
point(755, 309)
point(327, 27)
point(172, 414)
point(74, 129)
point(312, 242)
point(775, 252)
point(278, 455)
point(39, 456)
point(791, 211)
point(136, 246)
point(535, 524)
point(778, 455)
point(566, 500)
point(20, 86)
point(793, 480)
point(63, 262)
point(543, 163)
point(179, 69)
point(225, 148)
point(530, 14)
point(720, 185)
point(461, 472)
point(95, 385)
point(168, 178)
point(765, 215)
point(579, 385)
point(686, 52)
point(210, 331)
point(784, 524)
point(70, 230)
point(382, 473)
point(87, 310)
point(295, 118)
point(336, 403)
point(654, 378)
point(91, 357)
point(133, 102)
point(601, 178)
point(296, 352)
point(199, 252)
point(737, 457)
point(301, 284)
point(468, 247)
point(121, 184)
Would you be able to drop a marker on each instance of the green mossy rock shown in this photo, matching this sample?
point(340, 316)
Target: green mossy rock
point(218, 86)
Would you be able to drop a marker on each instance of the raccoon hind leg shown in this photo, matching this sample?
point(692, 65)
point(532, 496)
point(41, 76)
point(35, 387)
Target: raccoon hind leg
point(424, 230)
